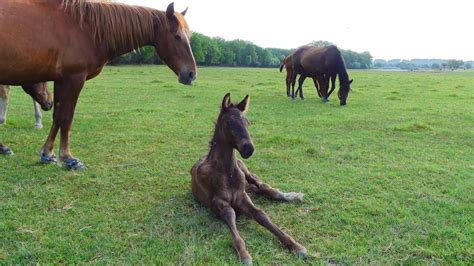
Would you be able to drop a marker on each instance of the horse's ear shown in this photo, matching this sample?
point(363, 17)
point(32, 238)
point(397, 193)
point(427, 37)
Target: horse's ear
point(351, 81)
point(170, 11)
point(244, 104)
point(184, 12)
point(226, 101)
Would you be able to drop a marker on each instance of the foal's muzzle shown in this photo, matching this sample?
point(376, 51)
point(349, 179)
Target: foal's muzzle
point(47, 106)
point(246, 150)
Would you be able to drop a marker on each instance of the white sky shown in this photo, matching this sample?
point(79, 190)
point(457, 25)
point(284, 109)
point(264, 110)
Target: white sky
point(388, 29)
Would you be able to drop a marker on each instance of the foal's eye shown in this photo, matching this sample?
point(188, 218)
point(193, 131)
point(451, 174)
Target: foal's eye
point(177, 37)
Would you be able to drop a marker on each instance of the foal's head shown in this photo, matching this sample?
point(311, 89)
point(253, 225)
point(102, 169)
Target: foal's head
point(233, 124)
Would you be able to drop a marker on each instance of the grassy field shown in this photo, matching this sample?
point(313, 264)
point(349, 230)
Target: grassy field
point(388, 179)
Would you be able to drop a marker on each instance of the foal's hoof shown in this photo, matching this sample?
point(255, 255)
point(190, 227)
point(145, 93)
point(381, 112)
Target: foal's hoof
point(38, 126)
point(302, 253)
point(6, 151)
point(325, 100)
point(246, 261)
point(74, 164)
point(291, 196)
point(48, 158)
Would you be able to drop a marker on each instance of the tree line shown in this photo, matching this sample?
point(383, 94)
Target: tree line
point(236, 53)
point(423, 63)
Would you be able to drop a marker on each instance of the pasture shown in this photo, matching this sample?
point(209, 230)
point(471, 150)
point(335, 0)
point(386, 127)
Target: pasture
point(388, 179)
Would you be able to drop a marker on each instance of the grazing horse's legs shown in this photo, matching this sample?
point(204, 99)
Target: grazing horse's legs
point(66, 93)
point(316, 85)
point(289, 79)
point(38, 115)
point(4, 93)
point(333, 85)
point(300, 87)
point(254, 184)
point(227, 213)
point(323, 86)
point(247, 208)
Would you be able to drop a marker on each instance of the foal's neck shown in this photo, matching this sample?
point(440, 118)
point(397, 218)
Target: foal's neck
point(221, 152)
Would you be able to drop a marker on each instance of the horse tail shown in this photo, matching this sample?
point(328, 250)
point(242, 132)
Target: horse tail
point(282, 64)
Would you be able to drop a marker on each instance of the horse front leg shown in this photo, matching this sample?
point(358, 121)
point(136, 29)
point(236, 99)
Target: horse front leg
point(300, 86)
point(247, 208)
point(66, 93)
point(4, 93)
point(38, 115)
point(255, 185)
point(227, 213)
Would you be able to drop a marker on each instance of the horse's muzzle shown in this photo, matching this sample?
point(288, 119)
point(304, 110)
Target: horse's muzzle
point(246, 150)
point(187, 77)
point(47, 106)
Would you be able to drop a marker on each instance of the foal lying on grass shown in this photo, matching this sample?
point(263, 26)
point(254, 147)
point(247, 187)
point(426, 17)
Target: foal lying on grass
point(220, 181)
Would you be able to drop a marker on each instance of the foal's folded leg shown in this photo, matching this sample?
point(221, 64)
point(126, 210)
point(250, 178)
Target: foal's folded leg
point(262, 218)
point(255, 185)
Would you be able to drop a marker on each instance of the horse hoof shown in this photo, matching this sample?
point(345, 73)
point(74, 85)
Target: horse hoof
point(74, 164)
point(246, 261)
point(325, 100)
point(48, 158)
point(290, 196)
point(2, 121)
point(6, 151)
point(38, 126)
point(302, 253)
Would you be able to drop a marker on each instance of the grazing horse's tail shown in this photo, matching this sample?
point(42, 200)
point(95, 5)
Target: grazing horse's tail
point(282, 64)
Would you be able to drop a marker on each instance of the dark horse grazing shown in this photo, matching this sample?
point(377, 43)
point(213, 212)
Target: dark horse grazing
point(220, 181)
point(324, 63)
point(40, 93)
point(86, 35)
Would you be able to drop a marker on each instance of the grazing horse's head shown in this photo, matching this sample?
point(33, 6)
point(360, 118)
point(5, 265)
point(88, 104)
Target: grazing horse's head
point(173, 46)
point(344, 88)
point(234, 125)
point(40, 93)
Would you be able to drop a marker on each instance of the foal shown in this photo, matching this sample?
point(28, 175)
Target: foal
point(220, 181)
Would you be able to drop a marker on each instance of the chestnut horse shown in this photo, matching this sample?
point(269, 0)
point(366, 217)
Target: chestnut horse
point(39, 92)
point(87, 34)
point(43, 92)
point(220, 181)
point(324, 63)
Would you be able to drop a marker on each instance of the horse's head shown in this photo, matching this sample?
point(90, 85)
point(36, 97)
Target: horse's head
point(40, 93)
point(344, 89)
point(234, 125)
point(172, 45)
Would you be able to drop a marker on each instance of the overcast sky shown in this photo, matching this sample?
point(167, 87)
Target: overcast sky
point(388, 29)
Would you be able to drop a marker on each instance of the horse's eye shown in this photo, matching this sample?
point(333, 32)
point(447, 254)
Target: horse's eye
point(177, 37)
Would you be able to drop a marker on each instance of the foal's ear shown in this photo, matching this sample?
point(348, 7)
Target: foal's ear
point(350, 81)
point(184, 12)
point(170, 10)
point(243, 106)
point(226, 101)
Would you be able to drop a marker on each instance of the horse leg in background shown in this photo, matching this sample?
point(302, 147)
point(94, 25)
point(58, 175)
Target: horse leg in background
point(66, 93)
point(255, 185)
point(38, 115)
point(247, 208)
point(333, 84)
point(323, 86)
point(4, 93)
point(316, 85)
point(289, 78)
point(300, 86)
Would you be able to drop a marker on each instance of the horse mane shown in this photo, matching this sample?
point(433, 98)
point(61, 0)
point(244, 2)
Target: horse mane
point(118, 25)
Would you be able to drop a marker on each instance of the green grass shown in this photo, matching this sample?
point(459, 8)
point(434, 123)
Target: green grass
point(389, 179)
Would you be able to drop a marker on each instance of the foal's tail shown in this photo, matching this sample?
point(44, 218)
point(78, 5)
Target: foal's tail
point(282, 64)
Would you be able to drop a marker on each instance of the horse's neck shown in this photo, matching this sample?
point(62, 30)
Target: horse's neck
point(222, 153)
point(343, 76)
